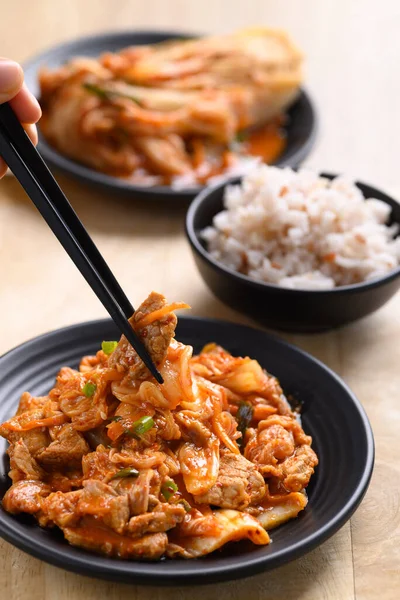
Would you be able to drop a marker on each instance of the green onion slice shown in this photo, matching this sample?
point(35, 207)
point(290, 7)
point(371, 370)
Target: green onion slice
point(168, 489)
point(240, 137)
point(141, 426)
point(95, 89)
point(89, 389)
point(116, 418)
point(185, 505)
point(108, 347)
point(106, 94)
point(128, 472)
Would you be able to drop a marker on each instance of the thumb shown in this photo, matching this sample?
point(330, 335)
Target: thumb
point(11, 79)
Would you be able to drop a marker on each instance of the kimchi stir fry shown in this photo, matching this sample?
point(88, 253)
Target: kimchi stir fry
point(133, 469)
point(180, 113)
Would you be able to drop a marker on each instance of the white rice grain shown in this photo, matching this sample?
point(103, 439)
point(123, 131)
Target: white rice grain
point(301, 231)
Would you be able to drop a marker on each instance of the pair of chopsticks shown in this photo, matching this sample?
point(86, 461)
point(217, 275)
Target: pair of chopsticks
point(31, 171)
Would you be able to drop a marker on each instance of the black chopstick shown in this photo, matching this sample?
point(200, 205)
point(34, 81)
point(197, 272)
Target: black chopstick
point(28, 167)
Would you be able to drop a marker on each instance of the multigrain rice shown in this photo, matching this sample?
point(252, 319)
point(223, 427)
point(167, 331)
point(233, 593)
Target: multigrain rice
point(300, 230)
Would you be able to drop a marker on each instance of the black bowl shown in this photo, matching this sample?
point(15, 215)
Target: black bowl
point(300, 129)
point(277, 307)
point(342, 438)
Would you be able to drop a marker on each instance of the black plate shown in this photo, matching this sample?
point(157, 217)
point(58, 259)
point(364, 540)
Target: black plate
point(301, 128)
point(332, 415)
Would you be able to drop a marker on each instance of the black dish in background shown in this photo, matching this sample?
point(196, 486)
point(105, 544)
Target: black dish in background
point(342, 438)
point(301, 127)
point(280, 308)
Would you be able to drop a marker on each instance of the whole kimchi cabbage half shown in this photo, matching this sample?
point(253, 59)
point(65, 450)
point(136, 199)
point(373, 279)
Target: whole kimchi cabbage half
point(133, 469)
point(169, 112)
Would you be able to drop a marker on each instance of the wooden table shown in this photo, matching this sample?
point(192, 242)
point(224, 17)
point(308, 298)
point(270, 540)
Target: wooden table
point(353, 49)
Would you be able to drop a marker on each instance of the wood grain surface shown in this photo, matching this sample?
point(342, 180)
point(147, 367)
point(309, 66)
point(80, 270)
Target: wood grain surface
point(352, 49)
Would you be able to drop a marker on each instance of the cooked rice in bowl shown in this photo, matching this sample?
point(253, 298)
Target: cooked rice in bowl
point(301, 230)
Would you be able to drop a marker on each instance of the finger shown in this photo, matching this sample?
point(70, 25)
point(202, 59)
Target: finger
point(25, 106)
point(11, 79)
point(32, 132)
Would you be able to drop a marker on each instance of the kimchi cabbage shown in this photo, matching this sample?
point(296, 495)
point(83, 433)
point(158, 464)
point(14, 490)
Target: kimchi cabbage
point(181, 112)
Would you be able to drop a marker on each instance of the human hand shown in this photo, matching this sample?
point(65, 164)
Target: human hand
point(24, 104)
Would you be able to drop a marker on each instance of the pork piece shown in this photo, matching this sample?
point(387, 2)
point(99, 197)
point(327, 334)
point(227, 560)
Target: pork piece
point(268, 446)
point(163, 518)
point(97, 465)
point(67, 449)
point(238, 484)
point(167, 428)
point(28, 402)
point(192, 429)
point(100, 500)
point(35, 439)
point(23, 465)
point(61, 509)
point(105, 541)
point(141, 490)
point(25, 496)
point(280, 449)
point(64, 481)
point(96, 499)
point(65, 376)
point(156, 337)
point(297, 469)
point(89, 362)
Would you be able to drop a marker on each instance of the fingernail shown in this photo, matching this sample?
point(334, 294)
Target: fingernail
point(10, 76)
